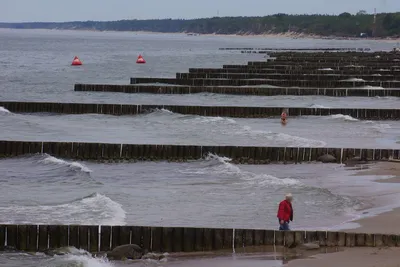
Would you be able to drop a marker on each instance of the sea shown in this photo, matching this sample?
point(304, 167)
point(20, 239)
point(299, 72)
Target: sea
point(212, 192)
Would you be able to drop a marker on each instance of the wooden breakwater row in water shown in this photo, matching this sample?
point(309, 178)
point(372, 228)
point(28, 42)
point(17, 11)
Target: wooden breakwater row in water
point(344, 60)
point(94, 238)
point(310, 66)
point(245, 69)
point(299, 62)
point(233, 90)
point(156, 152)
point(326, 76)
point(343, 50)
point(214, 111)
point(256, 82)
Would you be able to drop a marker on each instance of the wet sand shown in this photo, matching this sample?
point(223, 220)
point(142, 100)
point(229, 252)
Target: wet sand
point(355, 257)
point(384, 223)
point(388, 168)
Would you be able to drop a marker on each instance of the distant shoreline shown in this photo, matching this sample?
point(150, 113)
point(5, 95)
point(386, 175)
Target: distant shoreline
point(291, 35)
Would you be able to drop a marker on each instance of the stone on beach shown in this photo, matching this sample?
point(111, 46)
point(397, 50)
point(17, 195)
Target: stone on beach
point(327, 158)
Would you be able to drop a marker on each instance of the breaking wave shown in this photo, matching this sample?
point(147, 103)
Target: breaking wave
point(73, 165)
point(286, 139)
point(94, 209)
point(214, 164)
point(343, 117)
point(4, 110)
point(317, 106)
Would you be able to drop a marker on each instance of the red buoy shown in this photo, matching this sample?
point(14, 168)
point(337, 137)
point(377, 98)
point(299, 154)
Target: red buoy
point(140, 60)
point(76, 61)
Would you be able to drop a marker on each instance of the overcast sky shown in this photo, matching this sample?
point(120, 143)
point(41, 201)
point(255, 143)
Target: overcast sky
point(69, 10)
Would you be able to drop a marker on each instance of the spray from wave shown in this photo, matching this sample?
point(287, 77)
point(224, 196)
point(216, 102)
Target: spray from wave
point(73, 165)
point(343, 117)
point(214, 164)
point(192, 118)
point(285, 139)
point(375, 126)
point(94, 209)
point(73, 257)
point(4, 110)
point(317, 106)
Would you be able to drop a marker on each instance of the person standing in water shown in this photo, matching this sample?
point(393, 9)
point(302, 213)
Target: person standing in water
point(285, 213)
point(283, 117)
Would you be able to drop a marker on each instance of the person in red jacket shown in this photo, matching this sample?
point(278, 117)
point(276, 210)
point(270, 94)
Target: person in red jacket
point(285, 213)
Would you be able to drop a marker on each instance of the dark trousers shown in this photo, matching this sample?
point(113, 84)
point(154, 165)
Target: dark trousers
point(284, 226)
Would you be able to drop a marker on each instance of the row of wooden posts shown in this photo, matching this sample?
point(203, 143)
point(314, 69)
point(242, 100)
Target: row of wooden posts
point(245, 69)
point(222, 111)
point(309, 66)
point(94, 238)
point(233, 90)
point(154, 152)
point(327, 76)
point(311, 83)
point(321, 51)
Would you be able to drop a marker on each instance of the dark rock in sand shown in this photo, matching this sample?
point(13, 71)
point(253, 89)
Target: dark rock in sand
point(327, 158)
point(129, 251)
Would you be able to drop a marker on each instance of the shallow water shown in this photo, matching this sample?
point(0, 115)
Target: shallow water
point(165, 127)
point(79, 259)
point(204, 193)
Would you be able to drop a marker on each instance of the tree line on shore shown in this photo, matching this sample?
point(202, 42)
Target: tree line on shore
point(343, 25)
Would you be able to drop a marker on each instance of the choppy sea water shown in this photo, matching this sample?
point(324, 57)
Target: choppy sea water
point(34, 66)
point(165, 127)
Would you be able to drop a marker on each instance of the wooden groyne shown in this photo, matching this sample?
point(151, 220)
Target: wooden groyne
point(232, 90)
point(311, 66)
point(272, 82)
point(214, 111)
point(349, 50)
point(94, 238)
point(157, 152)
point(245, 69)
point(327, 76)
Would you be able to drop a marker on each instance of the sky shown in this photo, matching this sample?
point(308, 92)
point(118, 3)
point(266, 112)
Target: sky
point(72, 10)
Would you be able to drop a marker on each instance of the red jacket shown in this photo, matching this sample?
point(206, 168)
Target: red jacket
point(285, 211)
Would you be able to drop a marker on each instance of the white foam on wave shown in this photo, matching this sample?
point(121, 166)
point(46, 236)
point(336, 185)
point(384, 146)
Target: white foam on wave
point(224, 167)
point(343, 117)
point(206, 120)
point(326, 69)
point(371, 87)
point(79, 257)
point(73, 165)
point(317, 106)
point(202, 120)
point(86, 261)
point(353, 80)
point(162, 111)
point(194, 118)
point(296, 141)
point(91, 210)
point(4, 110)
point(286, 139)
